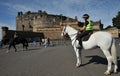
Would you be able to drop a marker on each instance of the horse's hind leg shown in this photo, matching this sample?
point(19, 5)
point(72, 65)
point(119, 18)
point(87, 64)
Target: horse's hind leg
point(109, 59)
point(24, 45)
point(15, 48)
point(114, 57)
point(116, 67)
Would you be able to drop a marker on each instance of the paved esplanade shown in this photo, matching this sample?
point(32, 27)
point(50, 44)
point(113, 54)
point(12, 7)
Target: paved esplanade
point(59, 60)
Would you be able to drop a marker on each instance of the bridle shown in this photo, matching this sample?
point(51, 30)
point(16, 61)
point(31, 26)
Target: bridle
point(69, 35)
point(64, 31)
point(73, 39)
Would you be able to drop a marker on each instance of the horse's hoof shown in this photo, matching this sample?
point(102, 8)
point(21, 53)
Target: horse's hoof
point(7, 51)
point(115, 72)
point(107, 73)
point(77, 65)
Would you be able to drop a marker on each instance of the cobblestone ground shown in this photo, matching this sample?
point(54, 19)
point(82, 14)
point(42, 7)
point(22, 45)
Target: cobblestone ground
point(56, 60)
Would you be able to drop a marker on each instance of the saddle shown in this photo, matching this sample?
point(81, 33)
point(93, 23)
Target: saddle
point(84, 38)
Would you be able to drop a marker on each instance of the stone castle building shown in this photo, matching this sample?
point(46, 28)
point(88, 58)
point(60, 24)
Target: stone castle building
point(48, 24)
point(41, 19)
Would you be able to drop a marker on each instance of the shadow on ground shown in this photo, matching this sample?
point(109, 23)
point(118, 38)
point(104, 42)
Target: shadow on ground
point(99, 60)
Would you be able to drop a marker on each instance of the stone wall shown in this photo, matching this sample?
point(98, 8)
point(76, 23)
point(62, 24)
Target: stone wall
point(55, 32)
point(52, 33)
point(113, 31)
point(97, 25)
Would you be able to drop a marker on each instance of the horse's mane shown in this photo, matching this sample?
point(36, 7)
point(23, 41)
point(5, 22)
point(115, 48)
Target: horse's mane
point(71, 28)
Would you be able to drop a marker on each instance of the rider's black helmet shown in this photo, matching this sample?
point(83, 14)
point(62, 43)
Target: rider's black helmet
point(85, 16)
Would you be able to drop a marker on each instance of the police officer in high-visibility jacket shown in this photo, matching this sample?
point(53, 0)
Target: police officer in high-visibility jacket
point(86, 29)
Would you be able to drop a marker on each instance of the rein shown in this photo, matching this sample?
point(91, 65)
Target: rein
point(73, 35)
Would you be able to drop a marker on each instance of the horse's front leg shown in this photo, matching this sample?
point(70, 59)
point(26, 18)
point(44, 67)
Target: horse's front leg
point(8, 48)
point(78, 57)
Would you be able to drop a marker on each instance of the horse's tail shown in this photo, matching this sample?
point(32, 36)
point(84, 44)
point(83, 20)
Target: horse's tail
point(114, 52)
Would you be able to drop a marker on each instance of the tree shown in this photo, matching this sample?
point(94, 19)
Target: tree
point(116, 21)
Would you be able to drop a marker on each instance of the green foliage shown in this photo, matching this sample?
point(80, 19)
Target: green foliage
point(116, 21)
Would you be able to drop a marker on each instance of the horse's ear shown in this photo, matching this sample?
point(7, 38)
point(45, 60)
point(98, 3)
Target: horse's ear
point(67, 25)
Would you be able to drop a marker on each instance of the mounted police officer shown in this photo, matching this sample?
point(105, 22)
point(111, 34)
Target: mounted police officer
point(15, 35)
point(86, 29)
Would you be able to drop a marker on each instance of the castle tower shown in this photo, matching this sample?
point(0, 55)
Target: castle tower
point(4, 31)
point(20, 22)
point(24, 22)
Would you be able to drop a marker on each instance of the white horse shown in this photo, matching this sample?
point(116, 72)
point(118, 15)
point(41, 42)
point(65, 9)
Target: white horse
point(102, 39)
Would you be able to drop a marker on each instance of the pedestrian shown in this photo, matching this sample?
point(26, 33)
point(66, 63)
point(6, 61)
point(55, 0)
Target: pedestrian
point(34, 42)
point(40, 42)
point(1, 44)
point(46, 42)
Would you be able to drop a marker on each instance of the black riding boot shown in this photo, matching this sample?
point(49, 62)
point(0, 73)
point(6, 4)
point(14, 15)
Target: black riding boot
point(80, 42)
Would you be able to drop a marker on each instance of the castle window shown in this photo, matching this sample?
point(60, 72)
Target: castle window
point(35, 17)
point(39, 11)
point(41, 16)
point(38, 16)
point(28, 17)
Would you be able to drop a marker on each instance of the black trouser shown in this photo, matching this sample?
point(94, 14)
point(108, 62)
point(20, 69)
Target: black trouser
point(84, 33)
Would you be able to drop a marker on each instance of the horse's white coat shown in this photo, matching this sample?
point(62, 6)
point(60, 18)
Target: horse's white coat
point(102, 39)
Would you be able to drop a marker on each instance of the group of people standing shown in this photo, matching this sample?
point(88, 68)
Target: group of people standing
point(43, 42)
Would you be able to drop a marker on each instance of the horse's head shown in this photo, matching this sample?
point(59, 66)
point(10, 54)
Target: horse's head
point(64, 32)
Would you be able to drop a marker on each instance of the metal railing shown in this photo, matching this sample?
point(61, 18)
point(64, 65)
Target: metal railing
point(60, 42)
